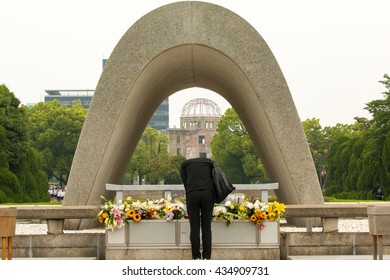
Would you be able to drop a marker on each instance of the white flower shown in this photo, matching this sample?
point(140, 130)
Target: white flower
point(228, 203)
point(264, 207)
point(249, 205)
point(218, 210)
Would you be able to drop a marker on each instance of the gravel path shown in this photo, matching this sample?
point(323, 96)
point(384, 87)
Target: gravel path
point(345, 225)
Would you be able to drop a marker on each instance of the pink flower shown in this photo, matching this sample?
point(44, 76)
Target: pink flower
point(261, 226)
point(117, 212)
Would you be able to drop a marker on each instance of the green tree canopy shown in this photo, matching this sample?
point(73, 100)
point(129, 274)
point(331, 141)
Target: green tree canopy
point(234, 152)
point(54, 132)
point(358, 161)
point(21, 175)
point(13, 119)
point(150, 160)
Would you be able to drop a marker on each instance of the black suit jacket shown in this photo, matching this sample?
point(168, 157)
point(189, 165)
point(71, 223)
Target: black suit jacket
point(196, 174)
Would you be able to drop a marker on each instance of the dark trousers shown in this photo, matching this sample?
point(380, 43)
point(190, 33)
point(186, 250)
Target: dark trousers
point(200, 206)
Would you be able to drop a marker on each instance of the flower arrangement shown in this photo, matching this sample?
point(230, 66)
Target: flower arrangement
point(235, 207)
point(239, 207)
point(115, 215)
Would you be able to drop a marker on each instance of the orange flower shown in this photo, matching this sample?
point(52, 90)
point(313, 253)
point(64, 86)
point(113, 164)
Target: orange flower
point(104, 215)
point(262, 215)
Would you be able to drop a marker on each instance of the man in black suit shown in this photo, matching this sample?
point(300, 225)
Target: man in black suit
point(198, 183)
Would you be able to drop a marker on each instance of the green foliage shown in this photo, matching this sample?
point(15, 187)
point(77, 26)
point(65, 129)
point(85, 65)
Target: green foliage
point(13, 119)
point(21, 175)
point(173, 171)
point(3, 148)
point(10, 186)
point(359, 160)
point(320, 140)
point(33, 177)
point(234, 151)
point(150, 159)
point(54, 132)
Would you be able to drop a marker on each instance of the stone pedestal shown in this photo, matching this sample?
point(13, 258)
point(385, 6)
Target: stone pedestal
point(378, 225)
point(55, 226)
point(159, 239)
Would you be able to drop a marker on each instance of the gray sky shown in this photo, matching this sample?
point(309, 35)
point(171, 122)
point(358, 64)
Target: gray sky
point(332, 53)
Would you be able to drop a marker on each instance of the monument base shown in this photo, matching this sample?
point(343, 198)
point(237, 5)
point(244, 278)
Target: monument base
point(117, 253)
point(161, 240)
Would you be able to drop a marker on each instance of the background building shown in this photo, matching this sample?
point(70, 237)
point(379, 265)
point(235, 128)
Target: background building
point(159, 120)
point(198, 123)
point(67, 96)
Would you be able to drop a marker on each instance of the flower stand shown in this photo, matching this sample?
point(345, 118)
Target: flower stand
point(159, 239)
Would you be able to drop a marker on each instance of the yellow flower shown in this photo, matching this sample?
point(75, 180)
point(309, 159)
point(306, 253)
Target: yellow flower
point(258, 222)
point(280, 207)
point(137, 217)
point(253, 218)
point(271, 216)
point(130, 213)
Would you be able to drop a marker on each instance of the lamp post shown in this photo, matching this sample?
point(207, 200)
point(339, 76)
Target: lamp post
point(322, 172)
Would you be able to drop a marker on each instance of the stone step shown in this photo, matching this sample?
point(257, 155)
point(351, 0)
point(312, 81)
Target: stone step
point(335, 257)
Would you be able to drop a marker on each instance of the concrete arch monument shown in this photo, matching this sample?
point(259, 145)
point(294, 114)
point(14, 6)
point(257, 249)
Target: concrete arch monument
point(182, 45)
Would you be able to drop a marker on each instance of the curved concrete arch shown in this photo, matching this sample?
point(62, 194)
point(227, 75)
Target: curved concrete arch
point(182, 45)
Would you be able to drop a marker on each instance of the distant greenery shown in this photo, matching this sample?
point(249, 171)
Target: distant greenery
point(333, 199)
point(54, 131)
point(151, 161)
point(235, 153)
point(21, 176)
point(358, 161)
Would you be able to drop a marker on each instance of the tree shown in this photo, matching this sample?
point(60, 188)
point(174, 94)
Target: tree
point(361, 159)
point(21, 175)
point(172, 175)
point(234, 152)
point(318, 144)
point(9, 183)
point(150, 159)
point(54, 132)
point(380, 128)
point(13, 119)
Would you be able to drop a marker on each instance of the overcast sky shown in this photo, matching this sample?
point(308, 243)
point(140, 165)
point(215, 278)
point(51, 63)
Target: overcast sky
point(332, 53)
